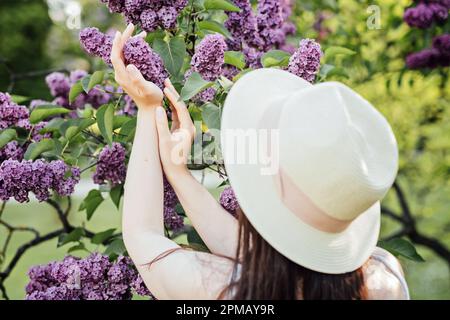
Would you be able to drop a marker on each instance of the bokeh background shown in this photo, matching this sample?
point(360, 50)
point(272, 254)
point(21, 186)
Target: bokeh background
point(37, 37)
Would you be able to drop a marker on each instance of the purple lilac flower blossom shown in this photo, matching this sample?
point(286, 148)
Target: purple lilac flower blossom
point(91, 278)
point(208, 59)
point(18, 178)
point(12, 150)
point(10, 112)
point(426, 58)
point(139, 53)
point(305, 62)
point(270, 22)
point(243, 26)
point(111, 165)
point(420, 16)
point(442, 43)
point(172, 220)
point(116, 6)
point(228, 200)
point(37, 102)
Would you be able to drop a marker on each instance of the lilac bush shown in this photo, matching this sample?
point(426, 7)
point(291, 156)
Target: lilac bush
point(92, 278)
point(87, 127)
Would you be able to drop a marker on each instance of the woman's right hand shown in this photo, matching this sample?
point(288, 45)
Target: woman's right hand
point(144, 93)
point(174, 144)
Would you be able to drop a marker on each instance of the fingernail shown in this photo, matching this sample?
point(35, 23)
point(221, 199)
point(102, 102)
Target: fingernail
point(159, 113)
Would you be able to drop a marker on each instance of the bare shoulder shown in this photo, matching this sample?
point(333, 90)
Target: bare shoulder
point(384, 277)
point(187, 274)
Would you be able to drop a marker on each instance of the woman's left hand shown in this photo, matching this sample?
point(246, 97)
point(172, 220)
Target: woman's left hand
point(144, 93)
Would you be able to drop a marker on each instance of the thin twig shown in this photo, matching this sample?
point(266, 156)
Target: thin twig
point(61, 215)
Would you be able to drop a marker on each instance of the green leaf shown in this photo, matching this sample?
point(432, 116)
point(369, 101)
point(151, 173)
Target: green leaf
point(128, 130)
point(117, 247)
point(77, 126)
point(119, 121)
point(75, 91)
point(95, 79)
point(105, 121)
point(43, 112)
point(19, 99)
point(220, 5)
point(235, 58)
point(91, 203)
point(211, 25)
point(77, 247)
point(275, 58)
point(334, 51)
point(101, 237)
point(74, 235)
point(211, 115)
point(194, 84)
point(401, 247)
point(6, 136)
point(195, 241)
point(172, 53)
point(85, 82)
point(116, 194)
point(37, 148)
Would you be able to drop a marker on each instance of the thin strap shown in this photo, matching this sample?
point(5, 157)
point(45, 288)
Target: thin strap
point(162, 256)
point(381, 258)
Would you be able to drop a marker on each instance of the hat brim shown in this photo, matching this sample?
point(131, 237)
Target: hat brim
point(332, 253)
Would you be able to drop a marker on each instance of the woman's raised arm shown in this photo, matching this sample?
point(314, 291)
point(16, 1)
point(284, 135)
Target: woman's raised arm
point(217, 228)
point(142, 221)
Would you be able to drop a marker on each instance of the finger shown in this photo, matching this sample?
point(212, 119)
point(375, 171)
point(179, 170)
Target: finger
point(169, 85)
point(136, 77)
point(175, 121)
point(162, 124)
point(143, 34)
point(180, 107)
point(116, 57)
point(127, 34)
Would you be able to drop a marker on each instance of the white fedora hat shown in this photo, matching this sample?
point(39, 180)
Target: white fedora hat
point(335, 157)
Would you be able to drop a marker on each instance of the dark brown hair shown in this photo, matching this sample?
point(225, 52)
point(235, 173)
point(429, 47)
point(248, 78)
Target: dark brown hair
point(261, 272)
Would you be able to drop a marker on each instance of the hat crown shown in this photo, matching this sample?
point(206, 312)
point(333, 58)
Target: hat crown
point(337, 148)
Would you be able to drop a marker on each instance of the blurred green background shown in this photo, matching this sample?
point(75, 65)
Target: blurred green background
point(39, 36)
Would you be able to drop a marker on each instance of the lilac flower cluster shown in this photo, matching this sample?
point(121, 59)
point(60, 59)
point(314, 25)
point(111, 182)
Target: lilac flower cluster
point(150, 14)
point(172, 220)
point(426, 12)
point(243, 26)
point(136, 51)
point(13, 115)
point(18, 178)
point(305, 62)
point(10, 112)
point(229, 201)
point(259, 33)
point(436, 56)
point(270, 22)
point(91, 278)
point(209, 57)
point(59, 85)
point(12, 150)
point(208, 61)
point(111, 165)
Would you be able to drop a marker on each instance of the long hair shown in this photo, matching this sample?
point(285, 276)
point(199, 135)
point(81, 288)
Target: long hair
point(261, 272)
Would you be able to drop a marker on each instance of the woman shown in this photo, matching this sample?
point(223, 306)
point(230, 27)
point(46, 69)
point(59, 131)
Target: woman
point(285, 244)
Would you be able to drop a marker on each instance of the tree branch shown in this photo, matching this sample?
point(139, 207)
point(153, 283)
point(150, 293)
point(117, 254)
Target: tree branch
point(61, 215)
point(22, 249)
point(409, 226)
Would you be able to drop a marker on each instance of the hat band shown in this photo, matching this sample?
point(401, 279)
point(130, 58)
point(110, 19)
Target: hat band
point(292, 197)
point(304, 208)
